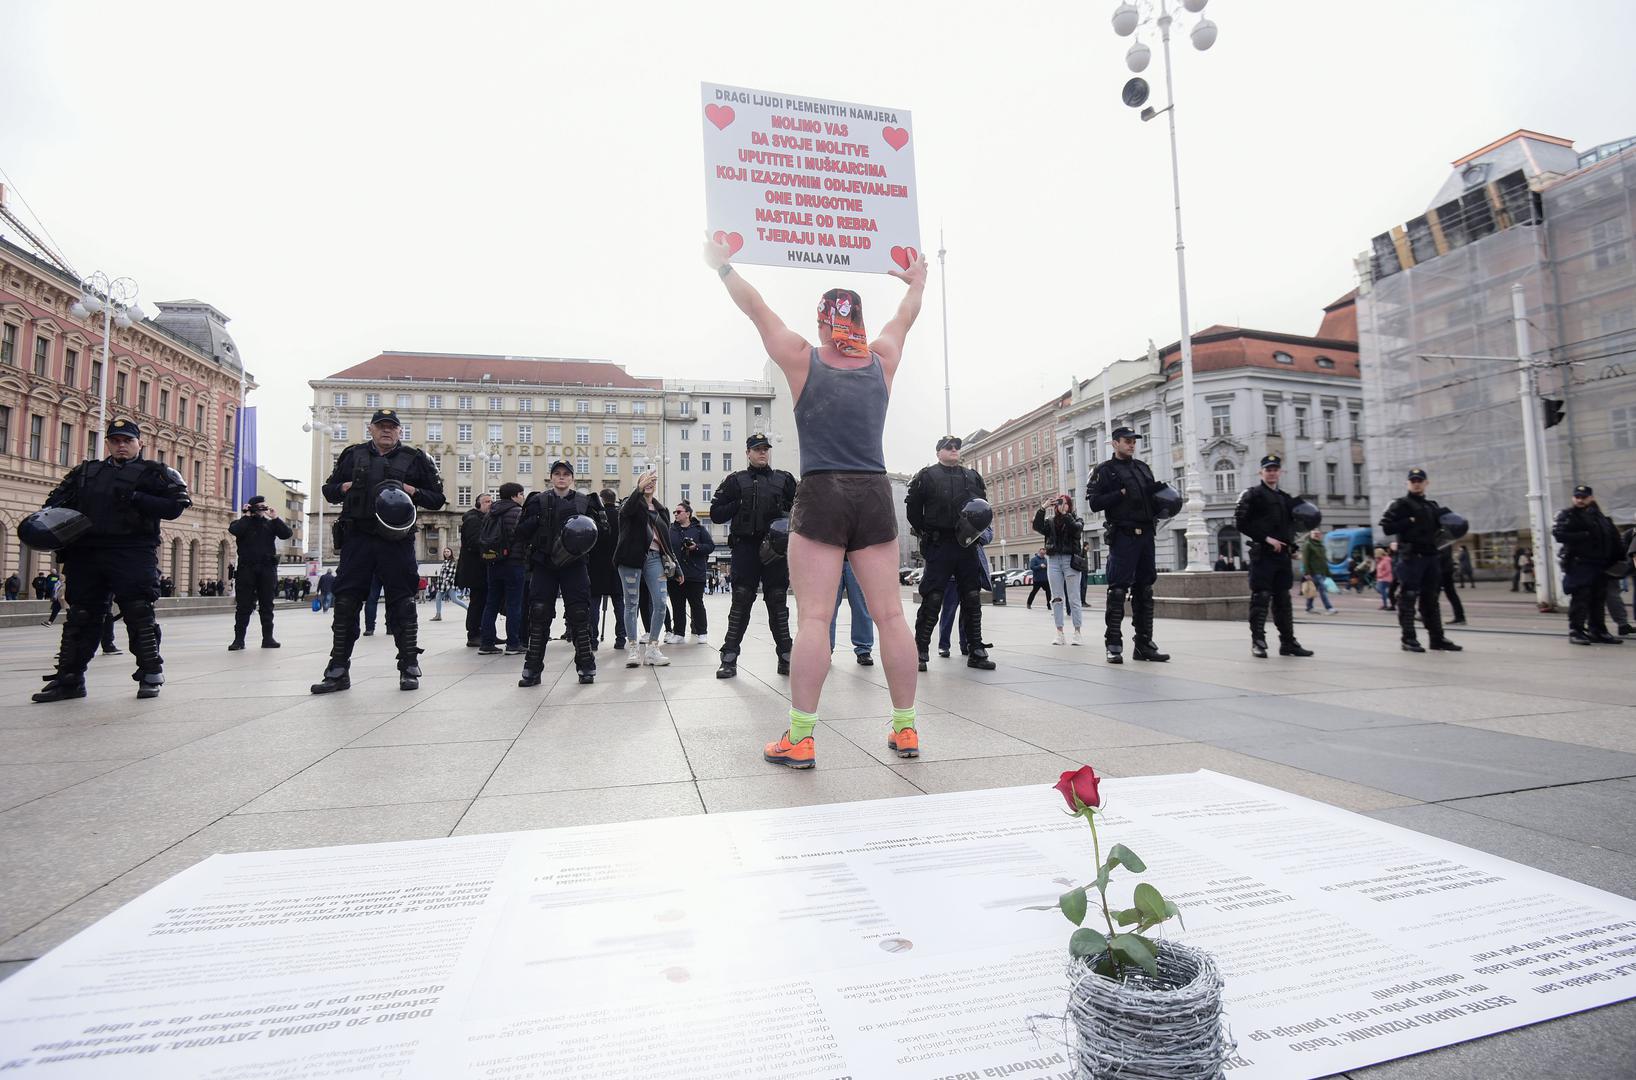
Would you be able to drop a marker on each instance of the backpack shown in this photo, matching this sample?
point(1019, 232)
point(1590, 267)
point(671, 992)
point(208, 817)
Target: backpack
point(494, 539)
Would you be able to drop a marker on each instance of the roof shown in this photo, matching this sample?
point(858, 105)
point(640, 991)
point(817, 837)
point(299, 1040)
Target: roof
point(1225, 348)
point(472, 368)
point(1520, 133)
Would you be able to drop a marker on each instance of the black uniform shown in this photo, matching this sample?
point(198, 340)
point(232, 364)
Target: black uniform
point(257, 573)
point(541, 523)
point(1413, 520)
point(470, 574)
point(1122, 491)
point(117, 560)
point(749, 501)
point(1590, 545)
point(937, 495)
point(368, 550)
point(1265, 513)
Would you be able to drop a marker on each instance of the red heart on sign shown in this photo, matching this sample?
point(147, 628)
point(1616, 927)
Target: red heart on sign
point(904, 256)
point(720, 115)
point(896, 138)
point(732, 239)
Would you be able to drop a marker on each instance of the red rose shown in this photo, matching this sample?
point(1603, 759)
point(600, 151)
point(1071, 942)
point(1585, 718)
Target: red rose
point(1079, 788)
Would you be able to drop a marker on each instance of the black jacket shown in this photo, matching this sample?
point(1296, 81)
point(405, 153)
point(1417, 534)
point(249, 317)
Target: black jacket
point(635, 522)
point(543, 515)
point(367, 468)
point(1265, 513)
point(125, 501)
point(469, 573)
point(936, 496)
point(258, 538)
point(1062, 532)
point(694, 563)
point(516, 550)
point(1588, 537)
point(750, 500)
point(604, 575)
point(1122, 491)
point(1413, 519)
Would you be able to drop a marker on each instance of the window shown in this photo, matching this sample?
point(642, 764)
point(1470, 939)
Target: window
point(1283, 358)
point(1034, 445)
point(434, 431)
point(687, 492)
point(639, 435)
point(610, 435)
point(1332, 479)
point(704, 461)
point(1146, 432)
point(462, 433)
point(1300, 422)
point(36, 437)
point(1325, 362)
point(582, 434)
point(553, 405)
point(42, 356)
point(5, 429)
point(434, 401)
point(462, 495)
point(142, 397)
point(1272, 419)
point(70, 366)
point(1354, 423)
point(198, 475)
point(494, 466)
point(1221, 419)
point(727, 433)
point(639, 408)
point(1622, 426)
point(1357, 480)
point(164, 403)
point(727, 408)
point(1329, 424)
point(726, 462)
point(525, 467)
point(639, 466)
point(495, 433)
point(465, 402)
point(610, 467)
point(756, 412)
point(1176, 429)
point(372, 401)
point(553, 433)
point(338, 400)
point(404, 401)
point(687, 434)
point(8, 344)
point(525, 404)
point(705, 406)
point(582, 406)
point(181, 411)
point(122, 385)
point(1607, 238)
point(405, 431)
point(610, 408)
point(496, 405)
point(96, 380)
point(525, 434)
point(65, 443)
point(582, 466)
point(198, 417)
point(463, 463)
point(685, 408)
point(1068, 456)
point(687, 462)
point(1008, 458)
point(704, 492)
point(1226, 477)
point(1303, 478)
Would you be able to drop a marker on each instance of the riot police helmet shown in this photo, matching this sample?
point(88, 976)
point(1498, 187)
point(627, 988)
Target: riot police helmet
point(574, 541)
point(975, 516)
point(776, 544)
point(1167, 502)
point(1307, 516)
point(53, 528)
point(1453, 524)
point(394, 509)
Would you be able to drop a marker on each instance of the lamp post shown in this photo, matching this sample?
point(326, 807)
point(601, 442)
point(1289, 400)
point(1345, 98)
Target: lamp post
point(115, 299)
point(1127, 19)
point(322, 422)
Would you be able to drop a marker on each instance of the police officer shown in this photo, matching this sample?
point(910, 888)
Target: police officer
point(1265, 517)
point(369, 481)
point(257, 534)
point(1415, 521)
point(1123, 489)
point(558, 563)
point(936, 501)
point(125, 497)
point(1591, 546)
point(750, 500)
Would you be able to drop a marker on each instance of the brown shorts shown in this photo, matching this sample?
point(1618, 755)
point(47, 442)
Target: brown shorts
point(850, 510)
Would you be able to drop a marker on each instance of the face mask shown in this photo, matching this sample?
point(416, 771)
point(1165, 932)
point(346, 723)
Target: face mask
point(840, 322)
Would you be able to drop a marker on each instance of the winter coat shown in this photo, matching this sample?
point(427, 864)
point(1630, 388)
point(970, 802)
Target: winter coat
point(469, 572)
point(637, 527)
point(694, 563)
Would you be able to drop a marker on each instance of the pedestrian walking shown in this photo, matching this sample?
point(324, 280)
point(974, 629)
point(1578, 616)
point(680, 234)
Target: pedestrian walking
point(14, 586)
point(1384, 578)
point(1468, 577)
point(1315, 571)
point(1040, 571)
point(446, 590)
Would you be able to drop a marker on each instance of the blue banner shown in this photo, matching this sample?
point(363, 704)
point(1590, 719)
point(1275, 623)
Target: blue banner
point(247, 455)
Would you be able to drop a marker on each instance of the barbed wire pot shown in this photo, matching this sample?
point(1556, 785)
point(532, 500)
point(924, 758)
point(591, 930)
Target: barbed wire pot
point(1142, 1027)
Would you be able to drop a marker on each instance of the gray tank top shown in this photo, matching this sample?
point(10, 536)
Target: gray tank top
point(841, 416)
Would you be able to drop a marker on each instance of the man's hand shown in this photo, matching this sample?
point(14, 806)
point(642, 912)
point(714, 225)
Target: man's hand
point(716, 254)
point(409, 489)
point(1275, 543)
point(346, 486)
point(915, 275)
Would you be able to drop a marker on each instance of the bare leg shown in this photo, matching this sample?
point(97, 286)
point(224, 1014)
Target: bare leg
point(876, 569)
point(815, 574)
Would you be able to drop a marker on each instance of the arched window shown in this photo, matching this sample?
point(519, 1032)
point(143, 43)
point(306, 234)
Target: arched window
point(1226, 477)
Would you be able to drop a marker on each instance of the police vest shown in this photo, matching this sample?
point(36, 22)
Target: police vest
point(948, 488)
point(105, 497)
point(761, 501)
point(370, 470)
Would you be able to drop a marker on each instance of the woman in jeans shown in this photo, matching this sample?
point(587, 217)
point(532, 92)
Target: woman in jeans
point(443, 587)
point(1062, 532)
point(644, 546)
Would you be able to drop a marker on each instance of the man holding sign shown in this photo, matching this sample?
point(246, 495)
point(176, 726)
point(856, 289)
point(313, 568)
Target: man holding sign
point(843, 509)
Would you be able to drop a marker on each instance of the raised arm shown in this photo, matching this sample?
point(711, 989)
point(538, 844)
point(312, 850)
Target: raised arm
point(784, 346)
point(888, 345)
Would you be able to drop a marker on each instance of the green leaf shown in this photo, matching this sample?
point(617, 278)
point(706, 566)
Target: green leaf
point(1086, 942)
point(1172, 911)
point(1102, 880)
point(1150, 903)
point(1120, 854)
point(1128, 917)
point(1138, 950)
point(1073, 905)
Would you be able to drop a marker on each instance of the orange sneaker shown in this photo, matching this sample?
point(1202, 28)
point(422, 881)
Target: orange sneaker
point(800, 755)
point(905, 742)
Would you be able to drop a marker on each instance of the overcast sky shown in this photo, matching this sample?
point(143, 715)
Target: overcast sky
point(527, 179)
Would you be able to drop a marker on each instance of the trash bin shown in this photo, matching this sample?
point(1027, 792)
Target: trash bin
point(999, 590)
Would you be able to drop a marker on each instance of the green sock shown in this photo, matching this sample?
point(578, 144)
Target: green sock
point(801, 725)
point(903, 718)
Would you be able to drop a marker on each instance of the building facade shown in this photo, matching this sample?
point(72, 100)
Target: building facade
point(1440, 345)
point(1018, 462)
point(486, 420)
point(285, 495)
point(706, 424)
point(1255, 392)
point(181, 386)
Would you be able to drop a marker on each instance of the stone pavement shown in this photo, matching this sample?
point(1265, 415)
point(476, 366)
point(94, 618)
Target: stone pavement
point(1523, 746)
